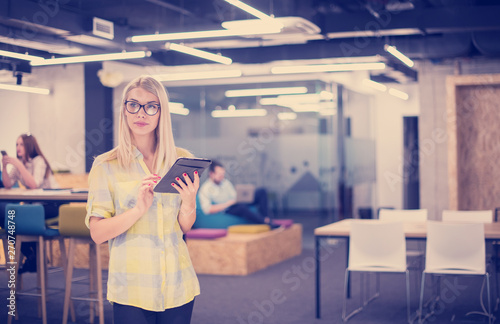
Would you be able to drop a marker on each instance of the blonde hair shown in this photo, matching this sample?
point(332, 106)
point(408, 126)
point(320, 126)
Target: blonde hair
point(165, 151)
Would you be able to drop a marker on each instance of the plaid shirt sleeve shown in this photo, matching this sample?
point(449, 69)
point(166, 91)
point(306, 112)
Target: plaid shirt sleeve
point(100, 202)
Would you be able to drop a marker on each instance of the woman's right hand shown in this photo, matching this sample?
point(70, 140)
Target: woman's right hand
point(11, 160)
point(145, 196)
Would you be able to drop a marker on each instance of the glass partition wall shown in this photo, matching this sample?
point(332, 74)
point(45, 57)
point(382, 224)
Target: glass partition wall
point(313, 151)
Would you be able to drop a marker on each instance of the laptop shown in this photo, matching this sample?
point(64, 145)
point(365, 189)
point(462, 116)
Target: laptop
point(245, 193)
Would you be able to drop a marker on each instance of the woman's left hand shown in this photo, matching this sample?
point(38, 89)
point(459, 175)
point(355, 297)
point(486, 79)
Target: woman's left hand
point(188, 189)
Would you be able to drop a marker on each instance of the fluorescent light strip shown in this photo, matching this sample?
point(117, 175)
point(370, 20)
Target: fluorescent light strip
point(253, 24)
point(198, 53)
point(21, 56)
point(327, 68)
point(199, 75)
point(239, 113)
point(177, 108)
point(400, 56)
point(374, 85)
point(92, 58)
point(249, 9)
point(264, 92)
point(305, 107)
point(399, 94)
point(24, 89)
point(202, 34)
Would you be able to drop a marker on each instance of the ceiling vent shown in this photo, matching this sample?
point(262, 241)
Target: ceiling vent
point(103, 28)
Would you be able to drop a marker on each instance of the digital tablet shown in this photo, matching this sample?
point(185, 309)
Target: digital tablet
point(182, 165)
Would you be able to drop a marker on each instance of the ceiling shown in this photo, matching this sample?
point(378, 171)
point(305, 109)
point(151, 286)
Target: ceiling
point(314, 30)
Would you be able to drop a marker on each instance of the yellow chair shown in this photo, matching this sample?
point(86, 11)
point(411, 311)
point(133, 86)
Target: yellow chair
point(72, 225)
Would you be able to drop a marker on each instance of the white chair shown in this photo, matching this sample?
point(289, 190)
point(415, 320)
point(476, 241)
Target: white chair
point(415, 256)
point(455, 249)
point(469, 216)
point(403, 215)
point(375, 247)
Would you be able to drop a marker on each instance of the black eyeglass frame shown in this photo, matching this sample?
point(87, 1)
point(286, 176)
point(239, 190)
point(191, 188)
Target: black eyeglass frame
point(141, 106)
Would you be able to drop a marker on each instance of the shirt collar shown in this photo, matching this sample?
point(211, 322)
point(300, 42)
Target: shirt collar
point(137, 153)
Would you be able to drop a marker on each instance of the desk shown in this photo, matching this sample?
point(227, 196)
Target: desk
point(342, 229)
point(40, 195)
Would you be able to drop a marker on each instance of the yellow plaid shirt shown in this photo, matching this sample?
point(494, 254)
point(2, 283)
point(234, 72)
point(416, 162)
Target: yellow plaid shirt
point(149, 265)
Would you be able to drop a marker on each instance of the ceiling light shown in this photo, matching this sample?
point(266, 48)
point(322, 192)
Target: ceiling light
point(375, 33)
point(92, 58)
point(253, 24)
point(293, 99)
point(327, 68)
point(326, 95)
point(305, 108)
point(177, 108)
point(287, 116)
point(398, 93)
point(20, 56)
point(198, 53)
point(374, 85)
point(249, 9)
point(24, 89)
point(264, 92)
point(259, 112)
point(400, 56)
point(51, 48)
point(199, 75)
point(202, 34)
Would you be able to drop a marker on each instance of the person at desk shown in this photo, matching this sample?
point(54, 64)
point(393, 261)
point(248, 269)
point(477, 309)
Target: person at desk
point(32, 170)
point(30, 166)
point(217, 194)
point(150, 278)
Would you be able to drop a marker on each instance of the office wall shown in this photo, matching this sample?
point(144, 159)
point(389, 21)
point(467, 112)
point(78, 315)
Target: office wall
point(14, 118)
point(56, 120)
point(389, 113)
point(434, 192)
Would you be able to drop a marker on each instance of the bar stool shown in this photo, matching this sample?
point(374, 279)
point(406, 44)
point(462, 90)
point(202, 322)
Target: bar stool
point(29, 223)
point(72, 225)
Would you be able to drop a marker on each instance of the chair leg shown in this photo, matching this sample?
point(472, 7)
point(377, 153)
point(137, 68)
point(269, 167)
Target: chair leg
point(408, 304)
point(99, 284)
point(17, 263)
point(346, 317)
point(92, 281)
point(490, 315)
point(422, 286)
point(42, 260)
point(69, 276)
point(344, 307)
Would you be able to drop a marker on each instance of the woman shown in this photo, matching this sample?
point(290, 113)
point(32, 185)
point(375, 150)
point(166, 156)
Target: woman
point(151, 278)
point(33, 171)
point(30, 167)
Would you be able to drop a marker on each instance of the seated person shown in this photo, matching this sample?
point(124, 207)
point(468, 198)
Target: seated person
point(32, 170)
point(217, 194)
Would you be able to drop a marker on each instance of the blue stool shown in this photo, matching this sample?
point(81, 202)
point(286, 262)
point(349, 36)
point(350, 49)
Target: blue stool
point(28, 223)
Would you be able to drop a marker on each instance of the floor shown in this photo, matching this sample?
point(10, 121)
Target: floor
point(283, 293)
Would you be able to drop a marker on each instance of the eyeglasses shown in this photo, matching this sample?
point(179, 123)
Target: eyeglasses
point(150, 109)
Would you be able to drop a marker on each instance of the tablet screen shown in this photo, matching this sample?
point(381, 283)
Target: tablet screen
point(182, 165)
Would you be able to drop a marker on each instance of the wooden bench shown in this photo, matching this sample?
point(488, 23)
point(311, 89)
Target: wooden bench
point(242, 254)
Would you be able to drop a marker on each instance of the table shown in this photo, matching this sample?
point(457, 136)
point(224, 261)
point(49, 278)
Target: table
point(341, 230)
point(41, 195)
